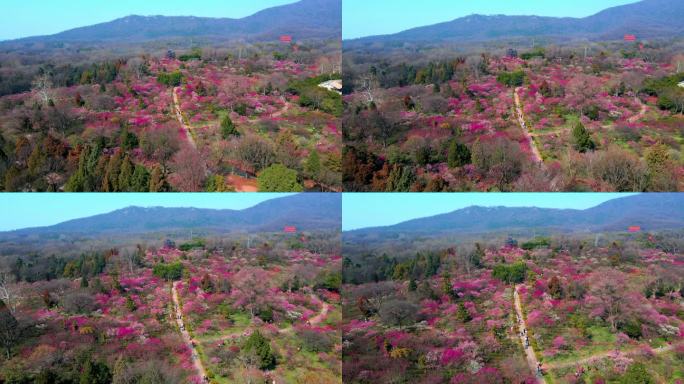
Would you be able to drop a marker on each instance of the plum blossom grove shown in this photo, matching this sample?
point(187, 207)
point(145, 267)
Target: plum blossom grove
point(609, 311)
point(159, 123)
point(550, 120)
point(269, 310)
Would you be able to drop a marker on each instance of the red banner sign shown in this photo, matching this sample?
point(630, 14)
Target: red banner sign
point(290, 229)
point(630, 37)
point(286, 39)
point(634, 228)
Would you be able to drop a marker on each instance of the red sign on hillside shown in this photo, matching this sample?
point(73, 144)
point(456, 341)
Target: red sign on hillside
point(630, 37)
point(286, 39)
point(290, 229)
point(634, 228)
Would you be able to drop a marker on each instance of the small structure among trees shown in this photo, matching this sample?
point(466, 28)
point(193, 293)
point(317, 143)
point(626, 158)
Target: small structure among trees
point(511, 242)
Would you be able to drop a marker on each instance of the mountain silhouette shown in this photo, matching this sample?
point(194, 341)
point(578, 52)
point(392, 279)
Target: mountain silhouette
point(650, 211)
point(645, 19)
point(306, 211)
point(306, 19)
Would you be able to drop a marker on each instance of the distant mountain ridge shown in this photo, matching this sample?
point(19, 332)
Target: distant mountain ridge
point(306, 19)
point(310, 211)
point(646, 19)
point(651, 211)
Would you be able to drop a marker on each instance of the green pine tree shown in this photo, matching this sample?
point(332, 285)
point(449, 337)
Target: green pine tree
point(462, 314)
point(125, 175)
point(261, 347)
point(458, 155)
point(140, 180)
point(582, 138)
point(313, 164)
point(158, 181)
point(228, 129)
point(95, 373)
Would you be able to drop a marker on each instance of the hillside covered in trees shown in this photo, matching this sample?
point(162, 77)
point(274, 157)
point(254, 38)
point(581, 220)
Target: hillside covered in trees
point(173, 113)
point(512, 305)
point(167, 304)
point(516, 112)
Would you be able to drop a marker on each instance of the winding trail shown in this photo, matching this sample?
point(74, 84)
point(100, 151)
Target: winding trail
point(313, 321)
point(522, 325)
point(179, 116)
point(319, 318)
point(521, 121)
point(282, 111)
point(602, 355)
point(197, 362)
point(641, 113)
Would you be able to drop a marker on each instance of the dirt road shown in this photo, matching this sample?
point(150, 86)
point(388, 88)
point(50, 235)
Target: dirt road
point(243, 184)
point(529, 351)
point(179, 116)
point(312, 321)
point(603, 355)
point(321, 315)
point(282, 111)
point(186, 336)
point(521, 121)
point(641, 113)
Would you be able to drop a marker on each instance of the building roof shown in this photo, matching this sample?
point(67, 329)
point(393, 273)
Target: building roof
point(332, 85)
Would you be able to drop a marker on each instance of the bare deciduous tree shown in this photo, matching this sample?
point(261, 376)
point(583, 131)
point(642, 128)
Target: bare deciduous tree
point(367, 85)
point(7, 293)
point(42, 86)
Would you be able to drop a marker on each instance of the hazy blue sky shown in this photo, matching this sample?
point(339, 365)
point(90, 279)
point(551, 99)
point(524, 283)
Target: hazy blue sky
point(379, 17)
point(21, 210)
point(360, 210)
point(22, 18)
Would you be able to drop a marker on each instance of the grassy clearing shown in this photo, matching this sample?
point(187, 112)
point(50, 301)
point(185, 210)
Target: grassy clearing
point(602, 340)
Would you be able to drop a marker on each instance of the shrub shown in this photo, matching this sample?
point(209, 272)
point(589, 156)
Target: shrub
point(95, 373)
point(398, 312)
point(194, 244)
point(592, 112)
point(582, 139)
point(512, 79)
point(266, 315)
point(627, 133)
point(315, 341)
point(241, 109)
point(169, 272)
point(78, 302)
point(195, 54)
point(172, 79)
point(312, 165)
point(637, 374)
point(623, 171)
point(500, 158)
point(261, 348)
point(632, 328)
point(278, 178)
point(331, 281)
point(228, 129)
point(539, 242)
point(255, 152)
point(513, 273)
point(459, 155)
